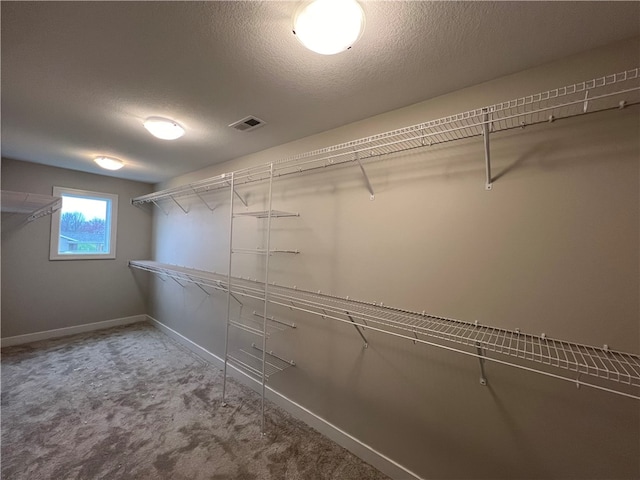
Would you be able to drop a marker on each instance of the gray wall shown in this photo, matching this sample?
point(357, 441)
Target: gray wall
point(553, 248)
point(39, 294)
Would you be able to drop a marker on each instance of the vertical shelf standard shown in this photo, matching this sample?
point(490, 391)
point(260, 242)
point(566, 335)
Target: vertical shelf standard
point(256, 360)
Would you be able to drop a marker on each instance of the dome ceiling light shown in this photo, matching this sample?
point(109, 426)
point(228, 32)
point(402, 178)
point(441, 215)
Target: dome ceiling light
point(109, 163)
point(163, 128)
point(329, 26)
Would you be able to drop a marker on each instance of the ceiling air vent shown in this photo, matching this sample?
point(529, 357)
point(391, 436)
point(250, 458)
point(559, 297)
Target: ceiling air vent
point(247, 124)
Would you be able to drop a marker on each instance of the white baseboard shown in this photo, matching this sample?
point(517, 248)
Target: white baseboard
point(342, 438)
point(63, 332)
point(194, 347)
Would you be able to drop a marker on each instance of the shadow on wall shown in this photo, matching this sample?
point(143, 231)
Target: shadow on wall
point(539, 152)
point(142, 281)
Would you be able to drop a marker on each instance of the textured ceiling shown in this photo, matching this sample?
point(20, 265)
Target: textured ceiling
point(78, 78)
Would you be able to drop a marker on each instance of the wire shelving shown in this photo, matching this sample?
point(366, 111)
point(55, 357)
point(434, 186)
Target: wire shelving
point(251, 362)
point(598, 367)
point(261, 364)
point(615, 91)
point(30, 205)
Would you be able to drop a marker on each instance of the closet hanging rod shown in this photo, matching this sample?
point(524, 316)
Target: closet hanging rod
point(617, 372)
point(595, 95)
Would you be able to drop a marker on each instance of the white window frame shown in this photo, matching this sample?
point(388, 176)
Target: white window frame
point(112, 223)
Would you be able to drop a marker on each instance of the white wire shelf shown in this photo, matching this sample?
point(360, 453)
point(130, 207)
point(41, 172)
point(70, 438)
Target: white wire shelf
point(255, 324)
point(29, 205)
point(246, 326)
point(613, 91)
point(605, 369)
point(249, 360)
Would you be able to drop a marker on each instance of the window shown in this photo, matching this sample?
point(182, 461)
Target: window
point(85, 226)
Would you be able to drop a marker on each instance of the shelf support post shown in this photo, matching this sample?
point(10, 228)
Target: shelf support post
point(357, 327)
point(487, 150)
point(229, 295)
point(372, 195)
point(266, 296)
point(483, 377)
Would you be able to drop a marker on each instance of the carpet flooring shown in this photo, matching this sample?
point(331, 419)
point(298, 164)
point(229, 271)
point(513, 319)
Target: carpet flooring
point(130, 403)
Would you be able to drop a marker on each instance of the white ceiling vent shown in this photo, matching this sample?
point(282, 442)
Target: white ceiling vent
point(247, 124)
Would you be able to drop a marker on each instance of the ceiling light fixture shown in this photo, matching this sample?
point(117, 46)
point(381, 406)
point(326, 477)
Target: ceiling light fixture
point(109, 163)
point(163, 128)
point(329, 26)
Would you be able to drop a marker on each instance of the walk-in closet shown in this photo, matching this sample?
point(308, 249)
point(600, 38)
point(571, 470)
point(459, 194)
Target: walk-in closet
point(229, 252)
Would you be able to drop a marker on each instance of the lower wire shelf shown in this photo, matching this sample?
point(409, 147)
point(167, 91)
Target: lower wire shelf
point(606, 369)
point(249, 360)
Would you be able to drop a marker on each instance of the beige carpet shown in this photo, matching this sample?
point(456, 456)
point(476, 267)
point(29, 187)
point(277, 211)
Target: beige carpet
point(129, 403)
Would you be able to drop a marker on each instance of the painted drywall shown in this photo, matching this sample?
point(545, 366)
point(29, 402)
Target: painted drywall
point(552, 249)
point(39, 294)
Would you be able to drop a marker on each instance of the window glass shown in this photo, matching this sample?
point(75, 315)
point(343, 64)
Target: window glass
point(85, 226)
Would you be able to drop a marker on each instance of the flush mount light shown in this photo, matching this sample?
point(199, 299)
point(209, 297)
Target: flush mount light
point(329, 26)
point(109, 163)
point(163, 128)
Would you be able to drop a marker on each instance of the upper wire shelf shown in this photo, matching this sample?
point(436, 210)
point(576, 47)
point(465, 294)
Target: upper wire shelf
point(604, 93)
point(31, 205)
point(607, 369)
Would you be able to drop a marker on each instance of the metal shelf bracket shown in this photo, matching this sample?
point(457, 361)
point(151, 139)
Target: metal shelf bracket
point(244, 202)
point(357, 327)
point(483, 377)
point(161, 209)
point(203, 200)
point(487, 150)
point(236, 299)
point(178, 203)
point(372, 195)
